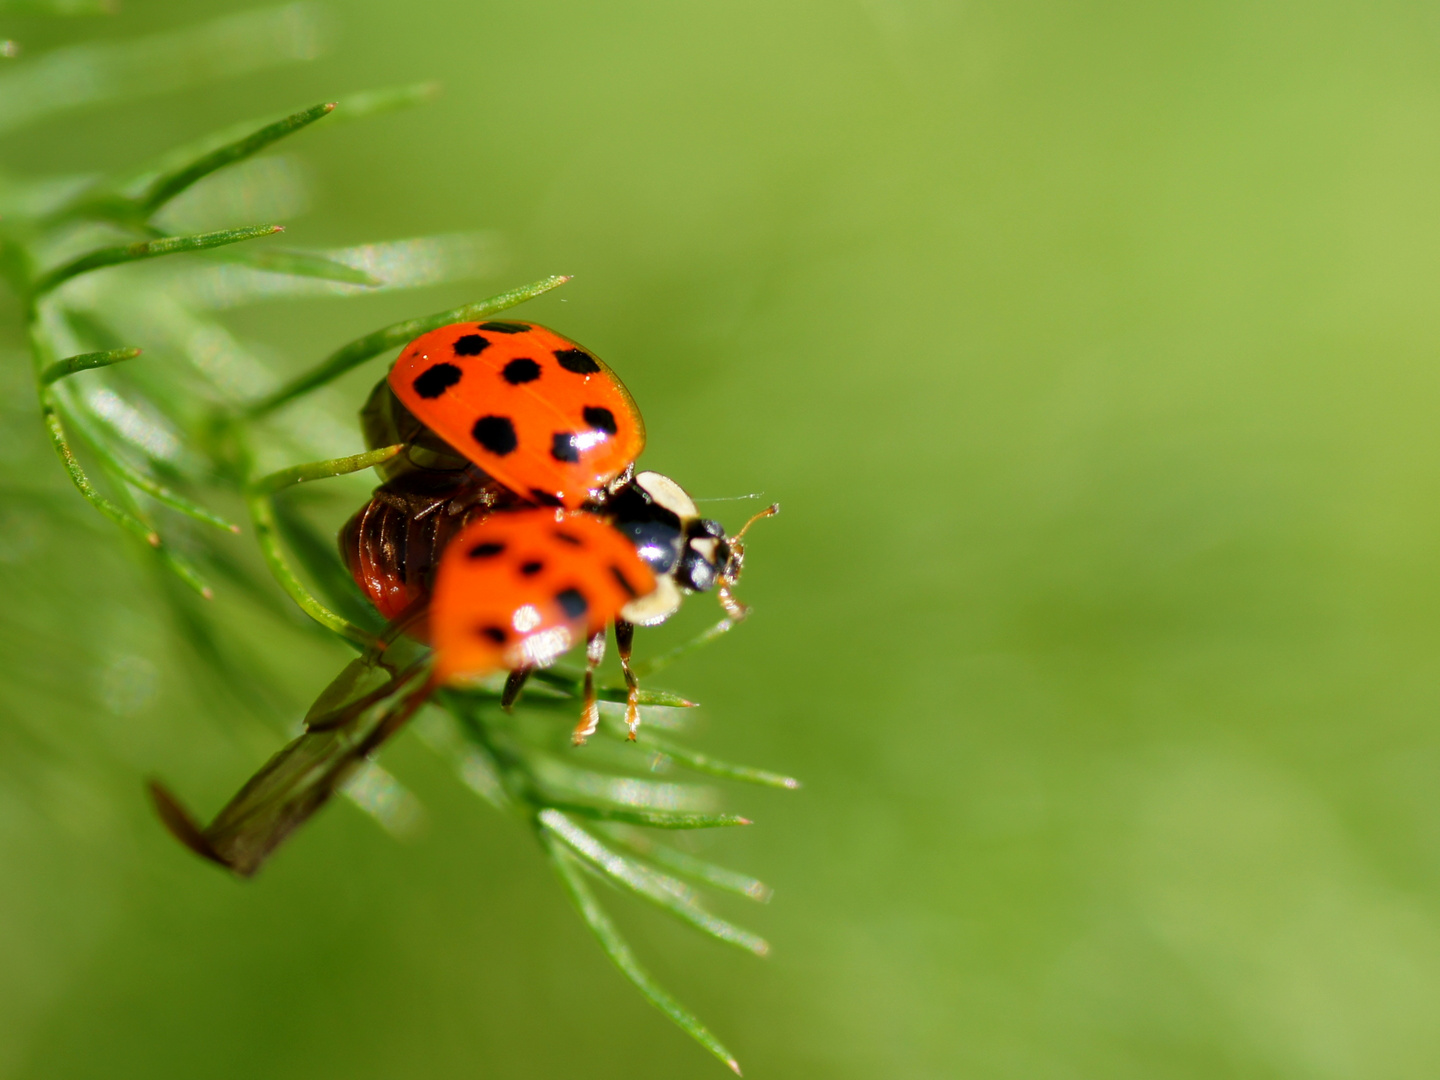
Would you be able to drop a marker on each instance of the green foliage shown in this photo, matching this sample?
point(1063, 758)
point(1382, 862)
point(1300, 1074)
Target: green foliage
point(157, 447)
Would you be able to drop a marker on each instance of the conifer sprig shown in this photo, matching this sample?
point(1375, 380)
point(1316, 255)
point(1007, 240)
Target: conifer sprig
point(161, 436)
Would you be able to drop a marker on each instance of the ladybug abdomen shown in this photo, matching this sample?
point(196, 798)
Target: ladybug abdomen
point(393, 544)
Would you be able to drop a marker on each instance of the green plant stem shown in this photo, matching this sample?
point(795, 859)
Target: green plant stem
point(148, 249)
point(358, 351)
point(85, 362)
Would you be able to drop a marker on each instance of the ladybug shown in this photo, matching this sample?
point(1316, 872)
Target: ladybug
point(609, 545)
point(537, 412)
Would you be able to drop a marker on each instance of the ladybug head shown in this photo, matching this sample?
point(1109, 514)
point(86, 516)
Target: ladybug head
point(734, 561)
point(687, 552)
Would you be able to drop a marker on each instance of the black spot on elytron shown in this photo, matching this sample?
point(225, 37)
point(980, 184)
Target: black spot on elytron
point(545, 498)
point(436, 379)
point(496, 434)
point(600, 419)
point(577, 360)
point(470, 345)
point(498, 634)
point(564, 448)
point(568, 538)
point(573, 601)
point(486, 549)
point(624, 581)
point(505, 327)
point(531, 568)
point(520, 371)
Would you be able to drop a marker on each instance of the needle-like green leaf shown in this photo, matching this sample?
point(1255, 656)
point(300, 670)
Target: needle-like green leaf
point(318, 558)
point(323, 470)
point(685, 864)
point(645, 668)
point(262, 518)
point(568, 865)
point(652, 818)
point(84, 362)
point(128, 473)
point(129, 522)
point(558, 777)
point(297, 264)
point(166, 186)
point(573, 684)
point(118, 197)
point(167, 556)
point(660, 889)
point(361, 349)
point(185, 570)
point(149, 249)
point(704, 763)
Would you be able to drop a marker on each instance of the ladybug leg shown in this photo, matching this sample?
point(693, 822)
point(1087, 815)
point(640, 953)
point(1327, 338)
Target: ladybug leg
point(735, 610)
point(514, 683)
point(624, 639)
point(590, 714)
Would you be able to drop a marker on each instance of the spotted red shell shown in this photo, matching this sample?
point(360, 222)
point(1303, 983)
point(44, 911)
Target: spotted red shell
point(539, 413)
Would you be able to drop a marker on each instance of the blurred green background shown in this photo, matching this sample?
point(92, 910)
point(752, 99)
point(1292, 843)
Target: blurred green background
point(1092, 352)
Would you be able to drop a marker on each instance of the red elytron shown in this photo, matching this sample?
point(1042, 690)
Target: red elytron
point(534, 410)
point(518, 590)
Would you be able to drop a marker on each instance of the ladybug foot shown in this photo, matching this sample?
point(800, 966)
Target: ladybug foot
point(632, 713)
point(589, 721)
point(590, 714)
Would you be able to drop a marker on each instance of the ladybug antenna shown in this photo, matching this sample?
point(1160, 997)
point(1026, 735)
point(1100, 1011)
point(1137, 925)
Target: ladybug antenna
point(769, 511)
point(731, 574)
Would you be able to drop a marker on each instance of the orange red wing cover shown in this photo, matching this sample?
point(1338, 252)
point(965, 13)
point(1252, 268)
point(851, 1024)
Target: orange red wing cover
point(520, 589)
point(542, 415)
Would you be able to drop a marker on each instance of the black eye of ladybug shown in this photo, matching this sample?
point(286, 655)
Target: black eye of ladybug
point(706, 527)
